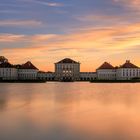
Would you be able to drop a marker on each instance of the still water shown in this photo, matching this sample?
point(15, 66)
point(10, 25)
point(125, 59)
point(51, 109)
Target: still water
point(69, 111)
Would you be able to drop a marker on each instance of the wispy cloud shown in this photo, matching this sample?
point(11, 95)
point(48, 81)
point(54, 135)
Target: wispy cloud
point(129, 3)
point(45, 3)
point(91, 43)
point(113, 36)
point(11, 38)
point(22, 23)
point(51, 4)
point(42, 37)
point(6, 38)
point(102, 19)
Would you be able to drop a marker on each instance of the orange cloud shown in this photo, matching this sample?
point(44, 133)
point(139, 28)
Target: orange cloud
point(28, 38)
point(42, 37)
point(11, 37)
point(89, 46)
point(22, 23)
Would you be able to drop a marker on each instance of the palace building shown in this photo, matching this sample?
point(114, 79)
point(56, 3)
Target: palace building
point(127, 71)
point(106, 72)
point(8, 71)
point(67, 70)
point(27, 71)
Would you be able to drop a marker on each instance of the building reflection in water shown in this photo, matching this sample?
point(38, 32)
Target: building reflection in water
point(74, 111)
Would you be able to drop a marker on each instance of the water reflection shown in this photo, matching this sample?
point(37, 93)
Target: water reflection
point(69, 111)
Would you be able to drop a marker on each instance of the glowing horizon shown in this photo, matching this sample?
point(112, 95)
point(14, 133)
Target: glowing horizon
point(46, 31)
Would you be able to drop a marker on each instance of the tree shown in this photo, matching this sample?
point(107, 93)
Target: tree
point(3, 59)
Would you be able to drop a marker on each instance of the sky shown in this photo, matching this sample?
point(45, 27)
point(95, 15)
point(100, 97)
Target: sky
point(88, 31)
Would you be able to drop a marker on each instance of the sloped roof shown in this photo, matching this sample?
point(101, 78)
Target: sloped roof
point(128, 64)
point(6, 65)
point(106, 65)
point(49, 72)
point(28, 65)
point(18, 66)
point(67, 60)
point(41, 72)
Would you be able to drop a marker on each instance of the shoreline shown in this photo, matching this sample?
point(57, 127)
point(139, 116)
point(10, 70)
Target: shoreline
point(115, 81)
point(23, 81)
point(94, 81)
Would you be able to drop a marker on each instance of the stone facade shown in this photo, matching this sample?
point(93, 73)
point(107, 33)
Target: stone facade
point(7, 70)
point(88, 76)
point(127, 71)
point(67, 70)
point(48, 76)
point(106, 72)
point(25, 71)
point(8, 73)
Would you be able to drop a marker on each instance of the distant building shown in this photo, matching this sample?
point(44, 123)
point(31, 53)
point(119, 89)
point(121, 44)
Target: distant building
point(27, 71)
point(50, 76)
point(67, 70)
point(106, 72)
point(88, 76)
point(41, 75)
point(128, 71)
point(8, 71)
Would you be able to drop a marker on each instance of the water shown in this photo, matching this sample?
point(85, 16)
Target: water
point(69, 111)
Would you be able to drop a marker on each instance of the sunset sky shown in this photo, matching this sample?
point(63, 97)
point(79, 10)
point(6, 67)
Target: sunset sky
point(88, 31)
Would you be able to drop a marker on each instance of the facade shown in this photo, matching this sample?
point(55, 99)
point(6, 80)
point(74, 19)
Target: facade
point(128, 71)
point(27, 71)
point(50, 76)
point(106, 72)
point(88, 76)
point(67, 70)
point(8, 71)
point(41, 75)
